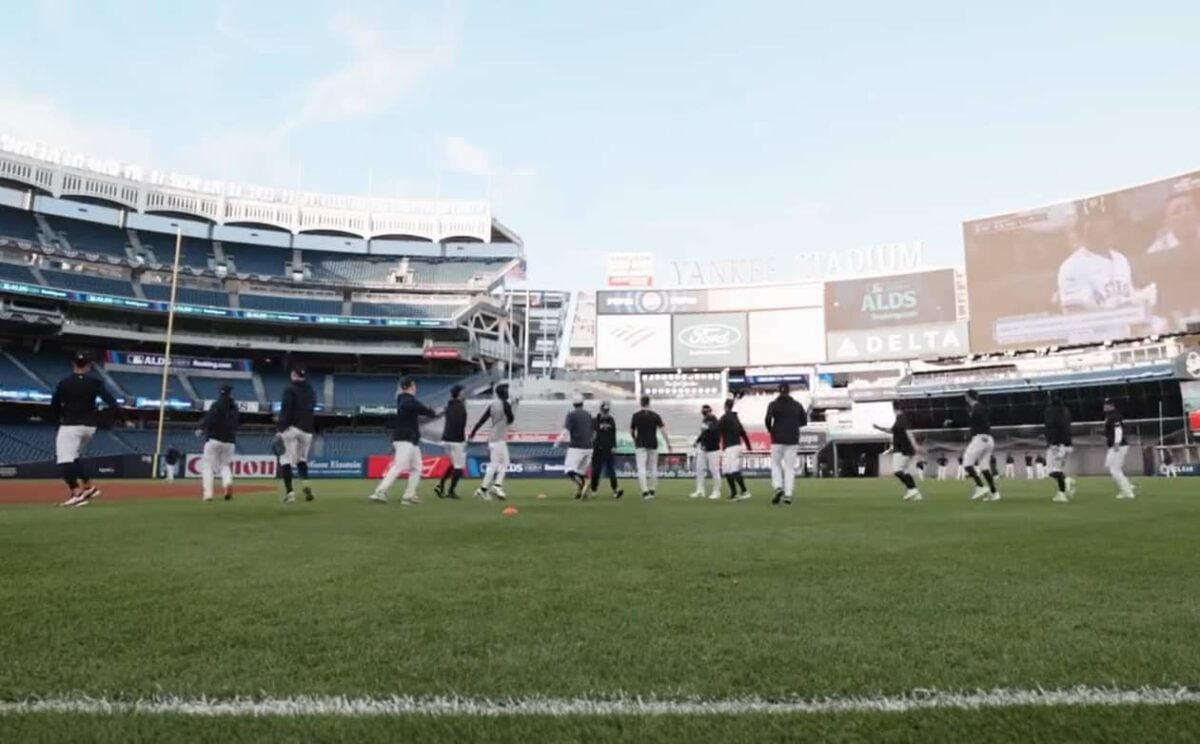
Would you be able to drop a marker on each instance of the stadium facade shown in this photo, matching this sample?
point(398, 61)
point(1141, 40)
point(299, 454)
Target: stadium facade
point(364, 289)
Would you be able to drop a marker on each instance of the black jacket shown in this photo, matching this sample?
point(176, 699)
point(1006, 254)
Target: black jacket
point(74, 400)
point(221, 420)
point(732, 431)
point(454, 428)
point(785, 418)
point(1058, 425)
point(710, 435)
point(409, 411)
point(296, 408)
point(605, 427)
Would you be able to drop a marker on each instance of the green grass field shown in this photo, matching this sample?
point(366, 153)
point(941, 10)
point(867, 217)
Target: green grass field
point(848, 592)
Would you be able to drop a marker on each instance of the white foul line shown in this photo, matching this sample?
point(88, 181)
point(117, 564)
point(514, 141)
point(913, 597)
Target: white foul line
point(602, 706)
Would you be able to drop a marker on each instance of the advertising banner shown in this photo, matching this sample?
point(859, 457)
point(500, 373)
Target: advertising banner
point(898, 342)
point(432, 466)
point(440, 352)
point(633, 342)
point(904, 300)
point(131, 303)
point(24, 395)
point(710, 340)
point(336, 468)
point(243, 466)
point(682, 385)
point(138, 359)
point(651, 302)
point(630, 269)
point(106, 467)
point(245, 406)
point(785, 337)
point(1118, 265)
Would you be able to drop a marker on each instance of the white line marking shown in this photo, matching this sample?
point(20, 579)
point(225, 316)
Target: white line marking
point(603, 706)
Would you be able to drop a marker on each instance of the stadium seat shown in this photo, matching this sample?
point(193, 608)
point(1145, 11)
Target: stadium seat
point(351, 391)
point(343, 269)
point(49, 367)
point(86, 282)
point(148, 385)
point(90, 237)
point(298, 304)
point(17, 273)
point(257, 259)
point(403, 310)
point(188, 295)
point(208, 388)
point(19, 224)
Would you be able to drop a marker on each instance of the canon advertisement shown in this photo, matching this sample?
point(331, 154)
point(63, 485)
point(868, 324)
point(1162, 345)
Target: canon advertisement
point(1114, 266)
point(710, 340)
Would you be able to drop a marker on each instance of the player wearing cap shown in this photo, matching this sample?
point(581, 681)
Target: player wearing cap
point(733, 436)
point(1028, 466)
point(604, 443)
point(785, 418)
point(219, 427)
point(296, 425)
point(1058, 446)
point(941, 467)
point(578, 435)
point(73, 406)
point(904, 452)
point(708, 454)
point(978, 457)
point(1097, 276)
point(454, 440)
point(501, 412)
point(406, 444)
point(644, 427)
point(1114, 437)
point(1010, 465)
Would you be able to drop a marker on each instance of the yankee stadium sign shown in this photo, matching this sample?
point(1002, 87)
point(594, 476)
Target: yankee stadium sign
point(807, 266)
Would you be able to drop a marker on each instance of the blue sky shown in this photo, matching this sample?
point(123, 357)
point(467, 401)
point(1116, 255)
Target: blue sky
point(690, 129)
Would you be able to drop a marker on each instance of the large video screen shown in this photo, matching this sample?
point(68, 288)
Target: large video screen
point(633, 341)
point(1119, 265)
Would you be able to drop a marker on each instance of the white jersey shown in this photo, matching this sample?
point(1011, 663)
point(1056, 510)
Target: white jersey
point(1095, 281)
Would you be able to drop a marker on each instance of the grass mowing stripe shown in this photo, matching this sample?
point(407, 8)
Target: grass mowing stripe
point(607, 706)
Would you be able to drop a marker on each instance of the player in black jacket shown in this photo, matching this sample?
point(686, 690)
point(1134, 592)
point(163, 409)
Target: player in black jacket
point(785, 418)
point(297, 421)
point(454, 439)
point(1058, 446)
point(1114, 437)
point(733, 435)
point(73, 406)
point(708, 454)
point(219, 427)
point(978, 456)
point(406, 439)
point(604, 443)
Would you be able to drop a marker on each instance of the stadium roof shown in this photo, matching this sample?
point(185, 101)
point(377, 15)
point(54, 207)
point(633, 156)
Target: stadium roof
point(75, 176)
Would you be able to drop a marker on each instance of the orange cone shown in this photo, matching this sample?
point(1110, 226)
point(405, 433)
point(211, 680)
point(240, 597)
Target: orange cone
point(509, 511)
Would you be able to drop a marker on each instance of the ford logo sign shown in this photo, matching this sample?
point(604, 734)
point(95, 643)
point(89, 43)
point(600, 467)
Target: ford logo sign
point(709, 337)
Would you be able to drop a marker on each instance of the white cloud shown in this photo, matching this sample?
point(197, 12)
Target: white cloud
point(463, 157)
point(52, 12)
point(383, 66)
point(40, 119)
point(244, 38)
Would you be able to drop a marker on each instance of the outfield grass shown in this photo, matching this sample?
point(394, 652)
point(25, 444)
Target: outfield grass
point(848, 592)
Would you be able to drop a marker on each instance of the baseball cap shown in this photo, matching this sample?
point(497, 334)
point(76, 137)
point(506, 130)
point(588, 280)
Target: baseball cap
point(81, 358)
point(226, 390)
point(577, 399)
point(407, 382)
point(784, 388)
point(455, 390)
point(605, 405)
point(298, 370)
